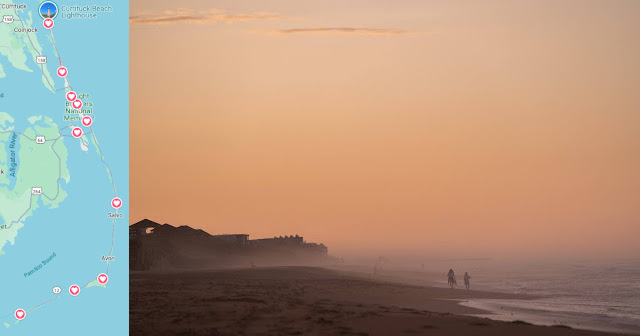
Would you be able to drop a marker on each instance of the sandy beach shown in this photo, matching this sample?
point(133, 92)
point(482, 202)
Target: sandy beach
point(308, 301)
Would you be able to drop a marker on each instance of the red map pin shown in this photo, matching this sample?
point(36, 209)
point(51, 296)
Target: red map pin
point(62, 71)
point(74, 290)
point(71, 96)
point(116, 203)
point(77, 104)
point(87, 121)
point(48, 23)
point(20, 314)
point(103, 279)
point(76, 132)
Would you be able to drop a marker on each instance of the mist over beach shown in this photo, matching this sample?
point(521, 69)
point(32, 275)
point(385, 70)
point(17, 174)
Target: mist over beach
point(335, 168)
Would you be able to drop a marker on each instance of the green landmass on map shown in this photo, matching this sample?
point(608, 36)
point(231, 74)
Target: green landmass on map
point(22, 48)
point(95, 283)
point(40, 165)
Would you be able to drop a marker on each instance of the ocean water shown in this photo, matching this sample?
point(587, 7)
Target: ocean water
point(598, 295)
point(78, 231)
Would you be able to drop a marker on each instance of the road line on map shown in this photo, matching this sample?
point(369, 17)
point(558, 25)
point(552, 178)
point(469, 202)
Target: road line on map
point(34, 48)
point(58, 180)
point(95, 139)
point(113, 183)
point(42, 304)
point(28, 138)
point(60, 169)
point(113, 238)
point(55, 47)
point(20, 218)
point(10, 50)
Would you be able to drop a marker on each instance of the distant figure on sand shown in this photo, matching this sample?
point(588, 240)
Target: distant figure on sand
point(451, 278)
point(466, 280)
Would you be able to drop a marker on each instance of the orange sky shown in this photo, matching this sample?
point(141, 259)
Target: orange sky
point(483, 129)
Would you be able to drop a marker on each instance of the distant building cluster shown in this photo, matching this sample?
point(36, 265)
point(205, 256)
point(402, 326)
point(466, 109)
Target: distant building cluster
point(284, 241)
point(154, 245)
point(233, 238)
point(134, 233)
point(241, 239)
point(279, 241)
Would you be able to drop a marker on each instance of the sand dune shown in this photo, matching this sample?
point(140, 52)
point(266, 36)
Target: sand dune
point(306, 301)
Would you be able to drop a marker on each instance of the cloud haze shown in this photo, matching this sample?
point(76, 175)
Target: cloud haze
point(337, 30)
point(213, 15)
point(513, 133)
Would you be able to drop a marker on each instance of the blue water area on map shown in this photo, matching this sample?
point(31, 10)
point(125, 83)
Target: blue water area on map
point(78, 231)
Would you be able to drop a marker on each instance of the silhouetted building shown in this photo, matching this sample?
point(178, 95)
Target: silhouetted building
point(135, 232)
point(233, 238)
point(319, 248)
point(279, 241)
point(154, 246)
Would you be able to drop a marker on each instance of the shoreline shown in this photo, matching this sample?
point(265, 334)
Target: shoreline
point(502, 306)
point(309, 300)
point(509, 310)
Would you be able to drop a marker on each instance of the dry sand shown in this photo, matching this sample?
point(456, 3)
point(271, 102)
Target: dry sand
point(306, 301)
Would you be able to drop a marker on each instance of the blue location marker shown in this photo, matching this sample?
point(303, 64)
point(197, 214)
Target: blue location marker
point(48, 10)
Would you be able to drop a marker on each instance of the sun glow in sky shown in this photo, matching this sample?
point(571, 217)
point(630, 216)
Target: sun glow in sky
point(471, 128)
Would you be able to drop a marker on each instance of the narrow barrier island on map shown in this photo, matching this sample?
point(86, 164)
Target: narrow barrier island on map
point(64, 179)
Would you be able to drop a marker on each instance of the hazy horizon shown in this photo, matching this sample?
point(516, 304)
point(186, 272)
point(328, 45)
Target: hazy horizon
point(463, 129)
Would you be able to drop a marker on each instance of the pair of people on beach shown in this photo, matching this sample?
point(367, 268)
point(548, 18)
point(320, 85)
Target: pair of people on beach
point(451, 279)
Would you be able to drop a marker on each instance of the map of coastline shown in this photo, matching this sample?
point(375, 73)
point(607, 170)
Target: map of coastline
point(19, 42)
point(30, 166)
point(63, 204)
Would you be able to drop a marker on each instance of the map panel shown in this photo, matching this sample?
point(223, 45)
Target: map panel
point(64, 167)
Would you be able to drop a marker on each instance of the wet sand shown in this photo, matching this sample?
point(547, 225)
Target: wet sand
point(307, 301)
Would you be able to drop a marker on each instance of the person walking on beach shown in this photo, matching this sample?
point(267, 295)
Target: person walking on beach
point(451, 278)
point(466, 280)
